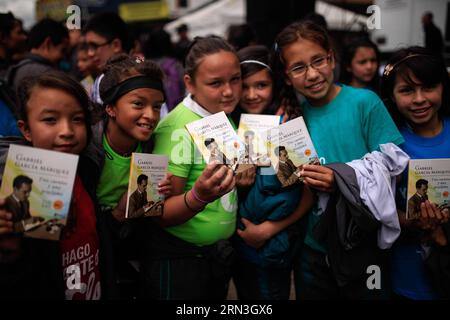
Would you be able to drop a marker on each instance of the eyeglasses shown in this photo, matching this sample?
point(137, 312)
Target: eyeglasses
point(94, 46)
point(317, 64)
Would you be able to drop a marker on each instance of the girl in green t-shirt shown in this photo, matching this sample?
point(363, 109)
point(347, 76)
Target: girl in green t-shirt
point(196, 260)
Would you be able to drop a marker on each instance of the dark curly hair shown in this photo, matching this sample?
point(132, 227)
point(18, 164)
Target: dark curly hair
point(122, 66)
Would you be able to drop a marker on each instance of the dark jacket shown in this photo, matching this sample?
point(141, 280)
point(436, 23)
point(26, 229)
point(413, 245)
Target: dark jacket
point(32, 66)
point(348, 229)
point(433, 39)
point(269, 200)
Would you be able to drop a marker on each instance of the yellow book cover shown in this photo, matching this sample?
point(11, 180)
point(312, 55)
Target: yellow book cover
point(146, 171)
point(216, 140)
point(253, 130)
point(290, 147)
point(428, 179)
point(37, 186)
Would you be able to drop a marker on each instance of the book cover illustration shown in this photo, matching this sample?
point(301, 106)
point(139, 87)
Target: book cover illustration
point(146, 171)
point(216, 140)
point(290, 147)
point(428, 179)
point(253, 130)
point(37, 186)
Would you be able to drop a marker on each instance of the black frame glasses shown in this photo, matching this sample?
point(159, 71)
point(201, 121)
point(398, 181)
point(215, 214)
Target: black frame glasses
point(94, 46)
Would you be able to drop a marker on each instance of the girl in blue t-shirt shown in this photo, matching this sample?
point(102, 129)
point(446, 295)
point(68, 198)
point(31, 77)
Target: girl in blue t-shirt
point(344, 123)
point(415, 86)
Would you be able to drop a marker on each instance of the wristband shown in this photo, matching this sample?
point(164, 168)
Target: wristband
point(187, 205)
point(194, 193)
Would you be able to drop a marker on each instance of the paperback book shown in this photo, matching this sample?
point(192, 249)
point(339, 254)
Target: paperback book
point(290, 147)
point(253, 130)
point(37, 186)
point(146, 172)
point(428, 179)
point(216, 140)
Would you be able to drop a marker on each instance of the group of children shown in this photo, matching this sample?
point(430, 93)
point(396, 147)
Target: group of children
point(209, 231)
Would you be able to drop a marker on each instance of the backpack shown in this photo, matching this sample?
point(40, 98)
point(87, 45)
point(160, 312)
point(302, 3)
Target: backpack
point(30, 59)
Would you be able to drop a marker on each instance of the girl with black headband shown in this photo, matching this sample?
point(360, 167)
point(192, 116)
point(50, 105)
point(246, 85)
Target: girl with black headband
point(132, 93)
point(415, 87)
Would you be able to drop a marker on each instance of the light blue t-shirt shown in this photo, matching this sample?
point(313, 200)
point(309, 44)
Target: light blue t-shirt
point(354, 123)
point(408, 273)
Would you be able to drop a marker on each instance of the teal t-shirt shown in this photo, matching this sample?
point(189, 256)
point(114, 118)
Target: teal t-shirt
point(354, 123)
point(218, 220)
point(114, 178)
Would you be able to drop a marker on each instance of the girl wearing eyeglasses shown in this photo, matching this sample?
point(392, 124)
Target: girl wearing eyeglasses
point(345, 123)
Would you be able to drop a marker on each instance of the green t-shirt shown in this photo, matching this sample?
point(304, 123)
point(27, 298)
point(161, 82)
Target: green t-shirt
point(354, 123)
point(218, 220)
point(114, 178)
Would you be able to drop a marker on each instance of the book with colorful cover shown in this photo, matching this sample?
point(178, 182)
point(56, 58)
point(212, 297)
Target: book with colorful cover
point(37, 186)
point(253, 130)
point(216, 140)
point(428, 179)
point(146, 172)
point(290, 147)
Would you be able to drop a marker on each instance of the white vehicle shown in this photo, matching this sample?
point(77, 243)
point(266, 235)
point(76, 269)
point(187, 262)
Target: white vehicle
point(401, 22)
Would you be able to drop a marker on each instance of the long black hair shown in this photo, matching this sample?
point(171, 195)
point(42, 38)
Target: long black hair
point(429, 69)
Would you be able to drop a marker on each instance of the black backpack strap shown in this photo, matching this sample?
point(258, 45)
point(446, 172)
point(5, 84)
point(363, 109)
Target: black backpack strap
point(11, 73)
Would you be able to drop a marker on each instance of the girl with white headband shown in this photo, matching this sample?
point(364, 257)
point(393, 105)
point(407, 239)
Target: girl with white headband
point(263, 266)
point(257, 83)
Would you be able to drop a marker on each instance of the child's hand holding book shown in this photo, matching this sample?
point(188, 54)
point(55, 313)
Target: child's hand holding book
point(165, 187)
point(216, 180)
